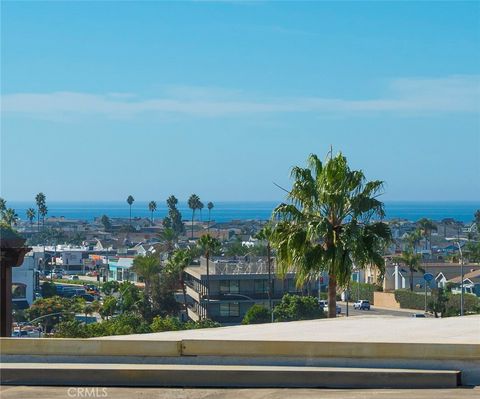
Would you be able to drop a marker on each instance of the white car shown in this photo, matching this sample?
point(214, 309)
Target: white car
point(362, 305)
point(324, 305)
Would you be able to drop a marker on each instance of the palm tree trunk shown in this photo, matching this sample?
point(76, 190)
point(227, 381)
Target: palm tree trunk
point(208, 284)
point(411, 279)
point(184, 290)
point(208, 228)
point(269, 280)
point(193, 215)
point(332, 296)
point(130, 215)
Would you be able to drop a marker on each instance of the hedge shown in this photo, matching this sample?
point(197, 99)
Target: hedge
point(366, 291)
point(410, 300)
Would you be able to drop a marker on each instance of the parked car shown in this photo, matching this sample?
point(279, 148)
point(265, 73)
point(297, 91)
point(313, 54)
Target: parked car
point(362, 305)
point(418, 315)
point(324, 305)
point(73, 277)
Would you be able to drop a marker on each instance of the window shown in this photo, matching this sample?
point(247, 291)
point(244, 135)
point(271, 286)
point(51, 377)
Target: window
point(229, 286)
point(261, 286)
point(119, 275)
point(230, 309)
point(19, 291)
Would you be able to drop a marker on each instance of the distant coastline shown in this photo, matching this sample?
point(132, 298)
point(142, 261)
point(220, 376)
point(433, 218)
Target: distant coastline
point(243, 210)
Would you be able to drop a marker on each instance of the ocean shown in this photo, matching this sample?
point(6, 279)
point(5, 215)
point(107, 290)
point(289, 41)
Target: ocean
point(227, 211)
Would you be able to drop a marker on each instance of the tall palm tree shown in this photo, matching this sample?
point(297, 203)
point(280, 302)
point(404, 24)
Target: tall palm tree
point(31, 215)
point(130, 201)
point(43, 212)
point(152, 207)
point(208, 245)
point(146, 267)
point(210, 207)
point(411, 260)
point(426, 227)
point(193, 204)
point(40, 200)
point(266, 234)
point(176, 265)
point(200, 207)
point(327, 224)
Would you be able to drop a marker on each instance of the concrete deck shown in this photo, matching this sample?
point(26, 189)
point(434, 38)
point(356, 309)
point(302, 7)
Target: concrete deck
point(453, 330)
point(43, 392)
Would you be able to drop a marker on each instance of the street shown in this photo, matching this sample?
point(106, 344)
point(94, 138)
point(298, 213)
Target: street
point(375, 311)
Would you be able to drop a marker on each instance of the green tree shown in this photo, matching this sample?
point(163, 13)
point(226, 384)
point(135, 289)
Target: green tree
point(162, 295)
point(426, 227)
point(176, 266)
point(109, 307)
point(152, 207)
point(40, 200)
point(105, 221)
point(257, 314)
point(3, 207)
point(295, 307)
point(146, 267)
point(48, 289)
point(200, 208)
point(31, 214)
point(43, 212)
point(472, 250)
point(477, 220)
point(110, 287)
point(209, 246)
point(52, 310)
point(409, 257)
point(266, 234)
point(10, 217)
point(327, 224)
point(174, 218)
point(210, 206)
point(169, 238)
point(193, 204)
point(130, 201)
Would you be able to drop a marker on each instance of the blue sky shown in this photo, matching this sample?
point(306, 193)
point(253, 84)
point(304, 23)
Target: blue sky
point(101, 100)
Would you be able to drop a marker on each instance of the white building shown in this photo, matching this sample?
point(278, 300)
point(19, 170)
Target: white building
point(25, 281)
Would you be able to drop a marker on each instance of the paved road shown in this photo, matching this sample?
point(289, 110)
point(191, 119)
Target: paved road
point(376, 311)
point(22, 392)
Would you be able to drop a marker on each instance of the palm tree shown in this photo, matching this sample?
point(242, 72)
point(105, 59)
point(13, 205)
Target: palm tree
point(200, 207)
point(130, 201)
point(146, 267)
point(426, 227)
point(43, 211)
point(40, 200)
point(266, 234)
point(411, 260)
point(210, 207)
point(327, 224)
point(152, 207)
point(3, 206)
point(10, 217)
point(169, 237)
point(176, 265)
point(31, 215)
point(208, 245)
point(193, 203)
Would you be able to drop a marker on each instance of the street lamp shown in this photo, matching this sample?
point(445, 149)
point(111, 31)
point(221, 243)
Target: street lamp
point(457, 241)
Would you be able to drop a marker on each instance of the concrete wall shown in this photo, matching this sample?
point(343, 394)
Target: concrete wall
point(385, 300)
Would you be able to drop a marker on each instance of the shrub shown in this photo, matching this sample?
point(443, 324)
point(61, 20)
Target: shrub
point(471, 304)
point(194, 325)
point(168, 323)
point(294, 307)
point(410, 300)
point(257, 314)
point(48, 289)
